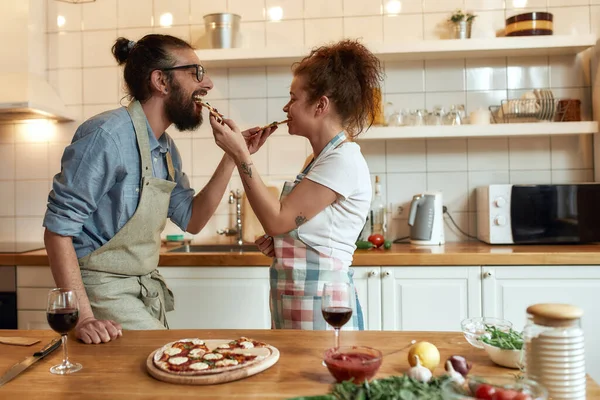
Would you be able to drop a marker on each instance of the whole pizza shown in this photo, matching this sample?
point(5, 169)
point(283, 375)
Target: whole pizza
point(199, 357)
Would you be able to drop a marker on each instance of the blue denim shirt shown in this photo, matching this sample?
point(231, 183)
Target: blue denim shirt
point(98, 188)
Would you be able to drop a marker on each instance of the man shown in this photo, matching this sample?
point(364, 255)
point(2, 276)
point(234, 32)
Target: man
point(121, 177)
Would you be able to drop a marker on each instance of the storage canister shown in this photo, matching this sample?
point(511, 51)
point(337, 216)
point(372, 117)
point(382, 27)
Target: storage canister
point(530, 24)
point(222, 30)
point(555, 350)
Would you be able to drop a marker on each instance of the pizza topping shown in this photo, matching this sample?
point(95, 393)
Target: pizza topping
point(178, 360)
point(213, 356)
point(247, 345)
point(224, 346)
point(196, 353)
point(226, 362)
point(172, 351)
point(199, 366)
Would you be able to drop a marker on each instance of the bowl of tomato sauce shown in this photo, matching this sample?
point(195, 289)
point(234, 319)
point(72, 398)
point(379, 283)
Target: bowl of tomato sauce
point(494, 388)
point(353, 363)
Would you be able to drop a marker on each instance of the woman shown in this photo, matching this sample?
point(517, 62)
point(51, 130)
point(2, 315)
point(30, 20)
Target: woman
point(313, 227)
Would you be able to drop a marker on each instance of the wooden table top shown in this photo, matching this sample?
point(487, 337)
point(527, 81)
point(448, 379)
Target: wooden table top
point(116, 370)
point(451, 254)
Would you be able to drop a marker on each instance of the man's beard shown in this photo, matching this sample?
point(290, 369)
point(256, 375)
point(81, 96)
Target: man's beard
point(181, 110)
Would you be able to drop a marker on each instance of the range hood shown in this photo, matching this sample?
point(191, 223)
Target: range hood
point(28, 96)
point(25, 93)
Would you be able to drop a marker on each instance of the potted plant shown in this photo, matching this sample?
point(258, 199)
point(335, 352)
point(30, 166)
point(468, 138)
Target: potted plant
point(462, 22)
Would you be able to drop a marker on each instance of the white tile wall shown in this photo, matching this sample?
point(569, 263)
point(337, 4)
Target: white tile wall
point(83, 71)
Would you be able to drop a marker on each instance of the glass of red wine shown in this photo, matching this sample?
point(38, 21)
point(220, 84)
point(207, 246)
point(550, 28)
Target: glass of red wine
point(336, 306)
point(62, 314)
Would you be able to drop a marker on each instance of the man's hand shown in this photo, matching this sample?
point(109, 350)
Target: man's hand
point(265, 245)
point(92, 330)
point(256, 137)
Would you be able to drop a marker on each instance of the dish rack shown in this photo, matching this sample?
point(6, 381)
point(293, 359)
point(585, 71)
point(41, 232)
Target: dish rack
point(535, 110)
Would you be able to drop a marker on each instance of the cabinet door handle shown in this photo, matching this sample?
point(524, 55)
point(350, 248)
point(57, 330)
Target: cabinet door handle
point(487, 274)
point(372, 273)
point(387, 273)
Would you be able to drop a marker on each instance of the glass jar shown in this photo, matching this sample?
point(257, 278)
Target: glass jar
point(555, 350)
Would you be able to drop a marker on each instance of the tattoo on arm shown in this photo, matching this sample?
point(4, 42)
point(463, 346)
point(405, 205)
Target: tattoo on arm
point(246, 168)
point(300, 220)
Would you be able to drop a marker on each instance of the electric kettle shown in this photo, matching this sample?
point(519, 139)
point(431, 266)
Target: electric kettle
point(426, 219)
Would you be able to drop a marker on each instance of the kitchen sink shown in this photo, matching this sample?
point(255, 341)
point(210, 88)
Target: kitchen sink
point(214, 248)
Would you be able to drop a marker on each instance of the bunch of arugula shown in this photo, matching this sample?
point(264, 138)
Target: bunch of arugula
point(511, 340)
point(391, 388)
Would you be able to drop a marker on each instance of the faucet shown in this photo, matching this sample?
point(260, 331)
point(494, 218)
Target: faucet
point(235, 197)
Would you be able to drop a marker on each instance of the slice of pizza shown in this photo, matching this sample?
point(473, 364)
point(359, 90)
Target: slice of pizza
point(241, 343)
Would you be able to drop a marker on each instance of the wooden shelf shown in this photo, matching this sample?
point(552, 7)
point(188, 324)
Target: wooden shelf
point(417, 50)
point(493, 130)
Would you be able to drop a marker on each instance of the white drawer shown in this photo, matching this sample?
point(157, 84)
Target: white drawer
point(35, 277)
point(32, 298)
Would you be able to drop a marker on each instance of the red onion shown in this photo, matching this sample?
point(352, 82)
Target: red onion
point(460, 365)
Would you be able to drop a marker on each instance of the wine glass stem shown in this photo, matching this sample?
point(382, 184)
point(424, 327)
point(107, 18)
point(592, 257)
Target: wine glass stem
point(65, 354)
point(337, 337)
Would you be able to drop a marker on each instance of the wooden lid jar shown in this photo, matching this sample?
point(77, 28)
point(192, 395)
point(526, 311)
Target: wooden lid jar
point(555, 315)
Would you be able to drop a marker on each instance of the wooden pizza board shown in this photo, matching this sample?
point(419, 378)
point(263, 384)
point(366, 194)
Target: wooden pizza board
point(213, 379)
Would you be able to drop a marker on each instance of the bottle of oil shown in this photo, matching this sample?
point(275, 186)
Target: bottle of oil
point(377, 214)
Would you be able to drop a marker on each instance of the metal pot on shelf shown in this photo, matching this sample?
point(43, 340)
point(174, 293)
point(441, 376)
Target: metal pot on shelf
point(222, 30)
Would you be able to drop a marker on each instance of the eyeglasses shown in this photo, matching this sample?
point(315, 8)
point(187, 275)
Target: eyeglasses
point(199, 70)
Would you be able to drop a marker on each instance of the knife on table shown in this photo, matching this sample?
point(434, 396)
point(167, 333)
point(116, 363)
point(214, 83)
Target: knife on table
point(26, 363)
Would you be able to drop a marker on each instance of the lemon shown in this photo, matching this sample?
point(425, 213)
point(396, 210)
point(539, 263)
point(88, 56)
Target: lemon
point(429, 355)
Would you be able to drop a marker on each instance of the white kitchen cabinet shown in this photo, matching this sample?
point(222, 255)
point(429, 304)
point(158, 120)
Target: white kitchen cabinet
point(429, 298)
point(219, 297)
point(33, 285)
point(509, 290)
point(368, 285)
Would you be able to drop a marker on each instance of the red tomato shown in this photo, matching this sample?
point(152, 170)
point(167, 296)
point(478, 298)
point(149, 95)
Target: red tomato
point(522, 396)
point(505, 394)
point(377, 239)
point(485, 392)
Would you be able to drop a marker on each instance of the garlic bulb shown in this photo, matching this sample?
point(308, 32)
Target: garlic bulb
point(419, 372)
point(455, 376)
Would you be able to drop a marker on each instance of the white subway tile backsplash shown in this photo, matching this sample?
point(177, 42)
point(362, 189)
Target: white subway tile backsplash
point(572, 21)
point(361, 7)
point(521, 177)
point(595, 19)
point(97, 48)
point(482, 5)
point(454, 187)
point(484, 99)
point(206, 156)
point(402, 28)
point(30, 229)
point(220, 80)
point(568, 71)
point(253, 35)
point(8, 229)
point(390, 7)
point(567, 3)
point(290, 9)
point(249, 10)
point(99, 15)
point(55, 152)
point(572, 152)
point(488, 24)
point(135, 14)
point(275, 113)
point(366, 29)
point(181, 32)
point(433, 6)
point(412, 101)
point(179, 11)
point(444, 75)
point(64, 50)
point(529, 153)
point(528, 72)
point(248, 113)
point(323, 9)
point(247, 83)
point(446, 155)
point(452, 233)
point(31, 161)
point(572, 176)
point(484, 178)
point(279, 80)
point(322, 31)
point(31, 198)
point(523, 6)
point(374, 153)
point(7, 133)
point(7, 162)
point(101, 85)
point(286, 155)
point(285, 33)
point(487, 154)
point(62, 17)
point(486, 73)
point(404, 77)
point(95, 109)
point(444, 99)
point(134, 34)
point(401, 187)
point(7, 199)
point(68, 83)
point(406, 155)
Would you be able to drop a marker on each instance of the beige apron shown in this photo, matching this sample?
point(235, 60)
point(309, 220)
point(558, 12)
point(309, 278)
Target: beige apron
point(120, 278)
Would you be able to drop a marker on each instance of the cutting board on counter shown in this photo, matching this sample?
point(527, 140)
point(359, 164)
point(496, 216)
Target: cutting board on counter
point(251, 227)
point(213, 379)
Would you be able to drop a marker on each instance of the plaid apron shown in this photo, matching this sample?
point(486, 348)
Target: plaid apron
point(299, 271)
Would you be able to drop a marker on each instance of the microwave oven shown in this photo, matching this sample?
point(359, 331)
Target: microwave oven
point(538, 214)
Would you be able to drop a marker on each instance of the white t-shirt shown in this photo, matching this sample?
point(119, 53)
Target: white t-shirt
point(335, 229)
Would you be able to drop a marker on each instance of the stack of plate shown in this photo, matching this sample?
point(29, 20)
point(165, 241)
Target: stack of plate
point(556, 359)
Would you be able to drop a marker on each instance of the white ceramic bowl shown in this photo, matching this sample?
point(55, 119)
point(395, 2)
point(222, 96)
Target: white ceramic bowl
point(505, 358)
point(474, 328)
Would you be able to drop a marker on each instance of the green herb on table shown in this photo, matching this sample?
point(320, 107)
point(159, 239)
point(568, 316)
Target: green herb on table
point(511, 340)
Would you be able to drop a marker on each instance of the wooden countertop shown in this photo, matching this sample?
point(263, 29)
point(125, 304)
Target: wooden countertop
point(116, 370)
point(464, 253)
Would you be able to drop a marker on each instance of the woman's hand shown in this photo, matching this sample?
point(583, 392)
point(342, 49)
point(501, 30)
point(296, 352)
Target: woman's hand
point(229, 138)
point(265, 245)
point(256, 137)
